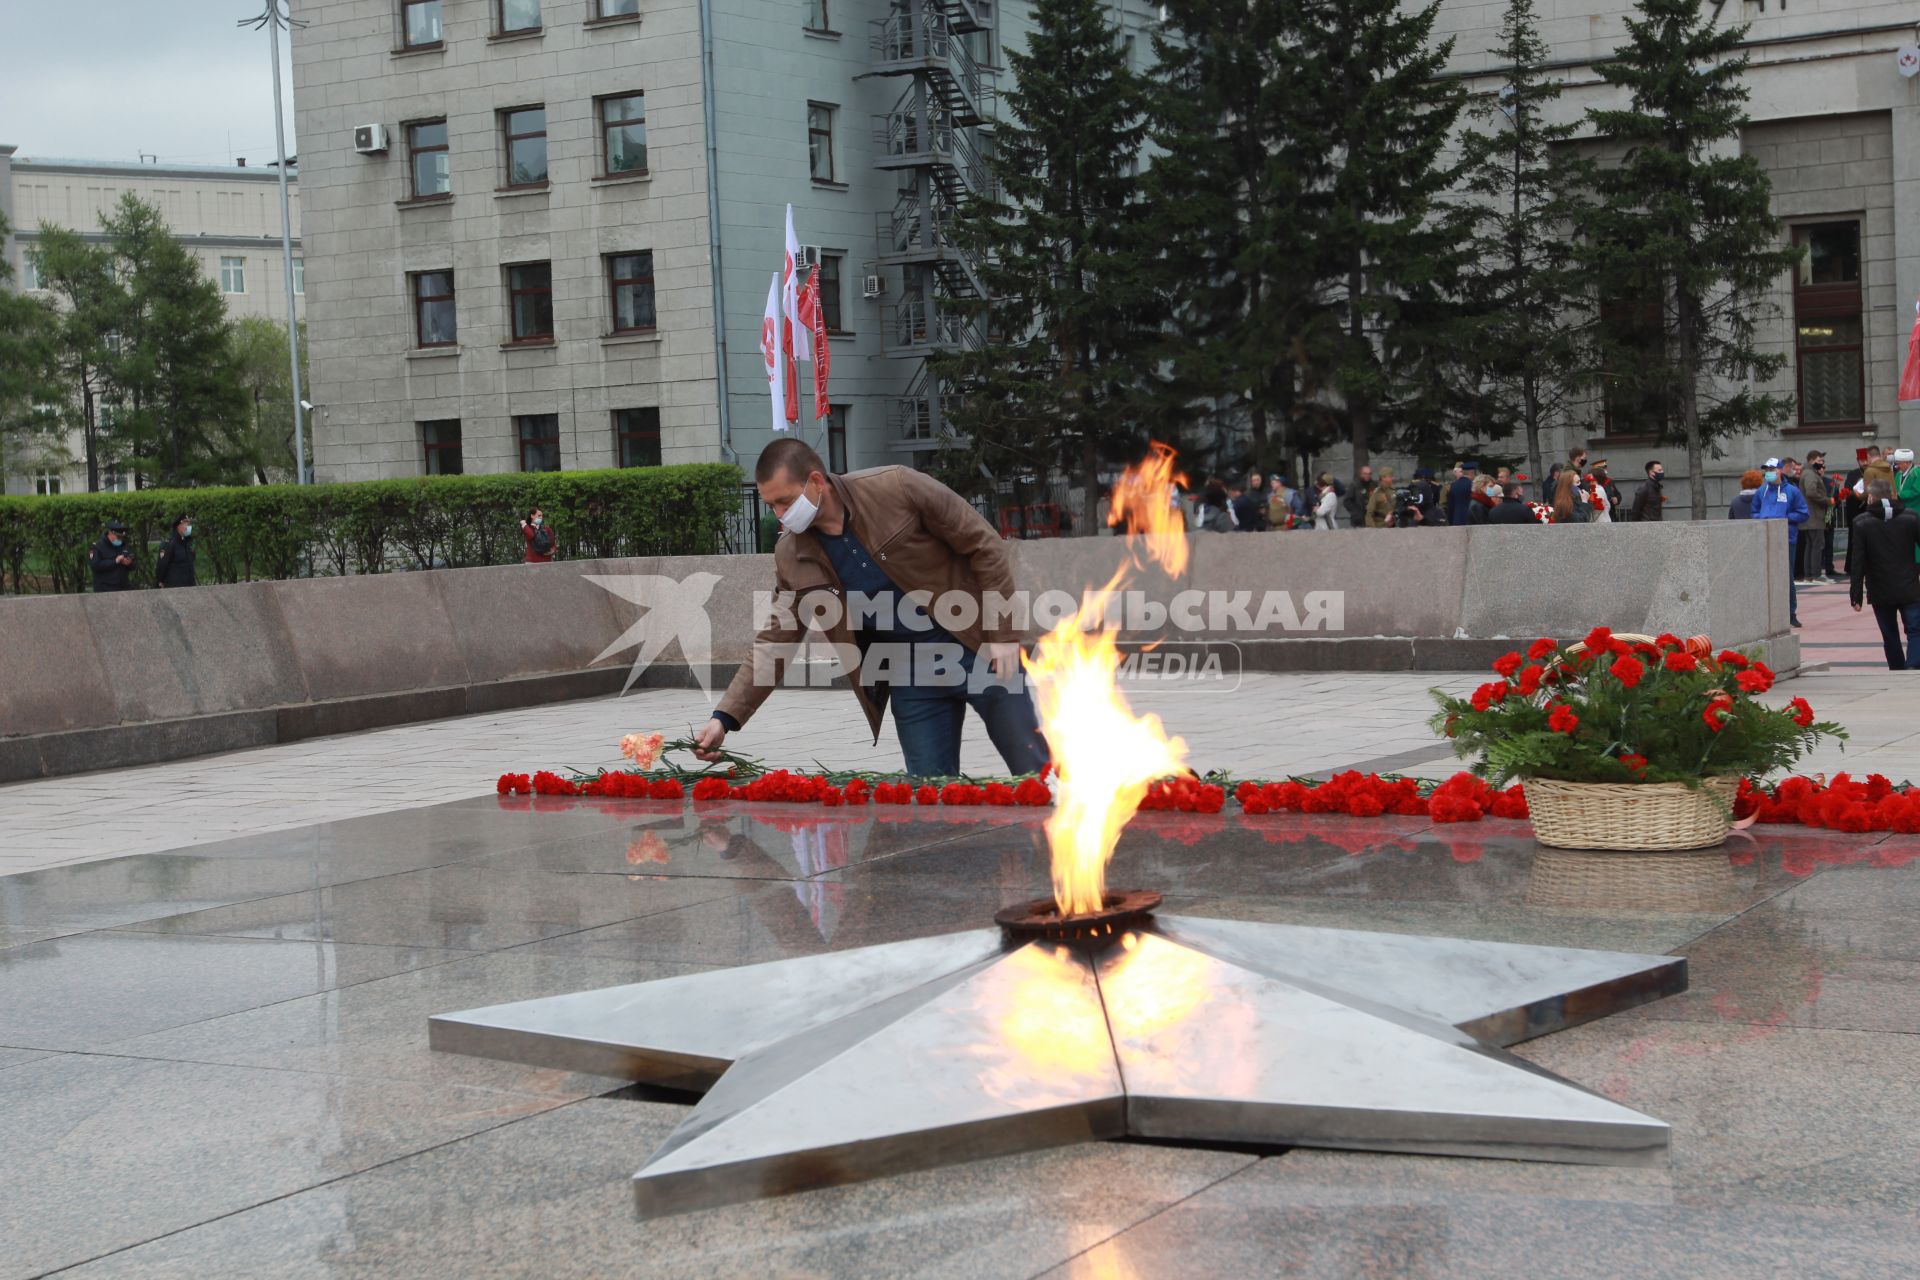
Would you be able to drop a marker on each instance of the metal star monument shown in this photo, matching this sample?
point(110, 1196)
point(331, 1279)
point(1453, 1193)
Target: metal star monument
point(861, 1064)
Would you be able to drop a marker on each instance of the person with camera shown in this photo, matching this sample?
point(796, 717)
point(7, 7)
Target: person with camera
point(111, 559)
point(174, 567)
point(539, 536)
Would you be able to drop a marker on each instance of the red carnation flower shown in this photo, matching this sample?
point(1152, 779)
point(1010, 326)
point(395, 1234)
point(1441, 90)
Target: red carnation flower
point(710, 789)
point(1677, 661)
point(1635, 763)
point(1541, 648)
point(1717, 712)
point(1628, 671)
point(927, 794)
point(1562, 720)
point(1730, 658)
point(1599, 638)
point(1507, 663)
point(1530, 680)
point(1755, 679)
point(1667, 640)
point(1801, 712)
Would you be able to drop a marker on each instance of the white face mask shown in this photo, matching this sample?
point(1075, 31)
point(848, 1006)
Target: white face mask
point(799, 516)
point(186, 531)
point(538, 521)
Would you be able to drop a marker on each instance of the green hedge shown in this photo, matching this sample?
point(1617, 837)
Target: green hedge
point(285, 531)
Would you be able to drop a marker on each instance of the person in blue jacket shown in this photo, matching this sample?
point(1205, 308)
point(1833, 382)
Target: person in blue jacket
point(1780, 499)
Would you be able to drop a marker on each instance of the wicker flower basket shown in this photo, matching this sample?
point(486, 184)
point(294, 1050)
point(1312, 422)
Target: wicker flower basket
point(1630, 816)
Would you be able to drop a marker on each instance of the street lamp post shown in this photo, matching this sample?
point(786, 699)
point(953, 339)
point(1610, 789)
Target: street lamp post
point(273, 18)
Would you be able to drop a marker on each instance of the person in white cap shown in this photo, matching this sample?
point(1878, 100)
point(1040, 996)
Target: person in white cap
point(1906, 479)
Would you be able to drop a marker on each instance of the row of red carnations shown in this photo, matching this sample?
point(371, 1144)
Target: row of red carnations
point(780, 785)
point(1844, 804)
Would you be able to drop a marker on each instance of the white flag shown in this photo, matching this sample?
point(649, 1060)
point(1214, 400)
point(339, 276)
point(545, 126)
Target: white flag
point(800, 333)
point(775, 361)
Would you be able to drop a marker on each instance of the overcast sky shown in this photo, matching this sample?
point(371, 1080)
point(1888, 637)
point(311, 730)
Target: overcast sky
point(110, 79)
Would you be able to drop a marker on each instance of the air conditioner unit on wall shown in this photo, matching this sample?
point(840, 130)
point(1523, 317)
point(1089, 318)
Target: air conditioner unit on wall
point(370, 139)
point(872, 286)
point(809, 257)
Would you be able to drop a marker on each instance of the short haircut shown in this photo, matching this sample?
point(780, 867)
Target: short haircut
point(793, 458)
point(1873, 451)
point(1816, 453)
point(1789, 462)
point(1879, 489)
point(1651, 465)
point(1751, 479)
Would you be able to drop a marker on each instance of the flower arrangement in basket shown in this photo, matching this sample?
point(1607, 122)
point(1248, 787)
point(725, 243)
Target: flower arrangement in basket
point(1625, 741)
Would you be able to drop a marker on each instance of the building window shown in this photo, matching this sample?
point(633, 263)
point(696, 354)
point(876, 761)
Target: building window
point(233, 275)
point(434, 322)
point(420, 23)
point(113, 480)
point(299, 275)
point(636, 437)
point(820, 141)
point(441, 440)
point(1636, 337)
point(29, 271)
point(830, 291)
point(518, 15)
point(526, 136)
point(817, 16)
point(837, 439)
point(630, 277)
point(1827, 317)
point(539, 441)
point(623, 134)
point(530, 301)
point(619, 8)
point(428, 159)
point(47, 483)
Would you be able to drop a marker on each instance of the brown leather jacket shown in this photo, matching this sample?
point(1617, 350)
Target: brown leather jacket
point(927, 539)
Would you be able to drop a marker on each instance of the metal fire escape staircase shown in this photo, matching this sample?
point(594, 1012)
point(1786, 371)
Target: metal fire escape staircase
point(929, 138)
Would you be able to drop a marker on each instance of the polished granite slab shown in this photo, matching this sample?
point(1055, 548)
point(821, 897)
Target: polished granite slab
point(255, 1012)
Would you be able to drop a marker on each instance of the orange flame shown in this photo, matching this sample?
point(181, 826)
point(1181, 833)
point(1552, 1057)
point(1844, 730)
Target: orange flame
point(1104, 755)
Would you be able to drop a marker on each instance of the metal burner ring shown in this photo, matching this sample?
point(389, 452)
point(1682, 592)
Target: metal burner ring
point(1041, 918)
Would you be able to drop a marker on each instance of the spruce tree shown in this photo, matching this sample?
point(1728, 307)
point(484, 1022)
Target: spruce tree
point(1525, 181)
point(1234, 216)
point(1070, 306)
point(90, 301)
point(1683, 226)
point(1388, 255)
point(173, 371)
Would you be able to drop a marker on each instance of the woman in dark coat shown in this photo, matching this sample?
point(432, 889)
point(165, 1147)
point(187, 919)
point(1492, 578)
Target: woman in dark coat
point(1741, 508)
point(540, 539)
point(174, 567)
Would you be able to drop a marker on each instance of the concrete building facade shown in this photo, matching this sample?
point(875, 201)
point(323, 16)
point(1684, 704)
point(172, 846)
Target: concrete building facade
point(228, 217)
point(1836, 126)
point(870, 120)
point(873, 119)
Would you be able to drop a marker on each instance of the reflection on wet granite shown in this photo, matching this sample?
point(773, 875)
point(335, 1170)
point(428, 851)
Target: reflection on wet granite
point(379, 1029)
point(760, 842)
point(467, 906)
point(83, 991)
point(260, 1015)
point(102, 1153)
point(555, 1188)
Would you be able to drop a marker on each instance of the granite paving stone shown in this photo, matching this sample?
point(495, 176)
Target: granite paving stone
point(465, 907)
point(103, 1153)
point(378, 1029)
point(82, 991)
point(554, 1188)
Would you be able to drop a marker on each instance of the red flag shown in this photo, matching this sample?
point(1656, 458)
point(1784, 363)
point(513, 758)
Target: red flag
point(816, 323)
point(1910, 376)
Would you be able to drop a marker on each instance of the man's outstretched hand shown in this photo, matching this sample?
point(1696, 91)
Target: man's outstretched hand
point(1003, 659)
point(706, 743)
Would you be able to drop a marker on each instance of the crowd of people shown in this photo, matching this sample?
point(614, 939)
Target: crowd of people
point(1578, 491)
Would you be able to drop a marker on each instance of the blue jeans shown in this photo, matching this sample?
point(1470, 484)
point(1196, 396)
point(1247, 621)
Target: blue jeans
point(1891, 617)
point(929, 721)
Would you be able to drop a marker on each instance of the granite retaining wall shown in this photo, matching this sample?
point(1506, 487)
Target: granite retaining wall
point(109, 681)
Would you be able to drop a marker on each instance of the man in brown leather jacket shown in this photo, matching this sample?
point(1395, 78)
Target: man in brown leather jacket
point(870, 552)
